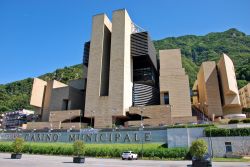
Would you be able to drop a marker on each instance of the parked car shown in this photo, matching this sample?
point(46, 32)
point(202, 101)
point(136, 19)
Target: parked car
point(129, 155)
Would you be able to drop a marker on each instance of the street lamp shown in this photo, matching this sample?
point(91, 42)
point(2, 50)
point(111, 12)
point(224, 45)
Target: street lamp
point(113, 118)
point(141, 128)
point(211, 143)
point(80, 119)
point(51, 124)
point(70, 115)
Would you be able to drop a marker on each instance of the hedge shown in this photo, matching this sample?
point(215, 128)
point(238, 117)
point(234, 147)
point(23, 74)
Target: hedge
point(220, 132)
point(154, 151)
point(233, 121)
point(247, 120)
point(191, 126)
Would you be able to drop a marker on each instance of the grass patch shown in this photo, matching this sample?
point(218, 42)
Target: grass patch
point(150, 150)
point(230, 160)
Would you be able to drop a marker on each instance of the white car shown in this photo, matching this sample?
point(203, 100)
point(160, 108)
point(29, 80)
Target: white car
point(129, 155)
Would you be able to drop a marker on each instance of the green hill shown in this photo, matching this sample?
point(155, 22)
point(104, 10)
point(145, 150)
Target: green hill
point(195, 50)
point(16, 95)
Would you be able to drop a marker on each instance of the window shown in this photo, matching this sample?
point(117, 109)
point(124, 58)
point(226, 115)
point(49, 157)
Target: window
point(65, 105)
point(228, 147)
point(166, 98)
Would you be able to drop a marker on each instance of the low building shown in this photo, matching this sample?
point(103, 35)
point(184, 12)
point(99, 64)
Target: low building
point(53, 100)
point(17, 119)
point(245, 96)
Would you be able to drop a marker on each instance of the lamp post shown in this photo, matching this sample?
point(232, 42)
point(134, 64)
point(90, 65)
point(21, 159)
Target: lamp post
point(113, 118)
point(80, 119)
point(51, 124)
point(70, 115)
point(205, 109)
point(170, 109)
point(141, 128)
point(211, 142)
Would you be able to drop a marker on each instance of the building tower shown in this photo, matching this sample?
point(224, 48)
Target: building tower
point(109, 84)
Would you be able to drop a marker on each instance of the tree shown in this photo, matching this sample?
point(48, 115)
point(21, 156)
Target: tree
point(198, 148)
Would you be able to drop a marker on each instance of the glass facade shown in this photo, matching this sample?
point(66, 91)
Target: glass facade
point(143, 74)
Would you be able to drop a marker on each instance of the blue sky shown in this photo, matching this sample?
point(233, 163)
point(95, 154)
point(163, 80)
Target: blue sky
point(39, 36)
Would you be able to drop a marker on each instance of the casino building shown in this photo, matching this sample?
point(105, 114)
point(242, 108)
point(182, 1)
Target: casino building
point(124, 83)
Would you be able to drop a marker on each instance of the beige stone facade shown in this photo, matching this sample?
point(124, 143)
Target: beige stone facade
point(59, 120)
point(109, 89)
point(230, 96)
point(58, 101)
point(37, 93)
point(153, 115)
point(120, 79)
point(157, 115)
point(245, 96)
point(47, 97)
point(174, 81)
point(216, 88)
point(208, 90)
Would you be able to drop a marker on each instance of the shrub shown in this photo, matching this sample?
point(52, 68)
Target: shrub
point(18, 145)
point(79, 148)
point(198, 148)
point(246, 120)
point(218, 132)
point(233, 121)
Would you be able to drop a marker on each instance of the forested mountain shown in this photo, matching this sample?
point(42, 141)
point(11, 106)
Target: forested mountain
point(16, 95)
point(194, 49)
point(197, 49)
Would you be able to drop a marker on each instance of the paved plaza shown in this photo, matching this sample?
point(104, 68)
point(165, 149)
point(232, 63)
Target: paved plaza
point(63, 161)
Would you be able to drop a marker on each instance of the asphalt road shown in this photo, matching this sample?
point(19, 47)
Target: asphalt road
point(62, 161)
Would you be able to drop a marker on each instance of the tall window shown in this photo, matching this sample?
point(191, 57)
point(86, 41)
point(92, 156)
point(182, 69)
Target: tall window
point(228, 147)
point(166, 98)
point(65, 105)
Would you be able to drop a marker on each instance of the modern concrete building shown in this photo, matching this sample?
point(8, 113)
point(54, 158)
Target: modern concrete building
point(123, 77)
point(57, 104)
point(125, 82)
point(174, 84)
point(245, 96)
point(216, 91)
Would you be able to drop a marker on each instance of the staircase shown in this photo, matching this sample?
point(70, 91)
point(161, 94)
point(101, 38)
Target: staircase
point(201, 117)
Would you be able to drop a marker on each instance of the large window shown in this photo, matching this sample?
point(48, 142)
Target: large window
point(65, 104)
point(143, 74)
point(228, 147)
point(166, 98)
